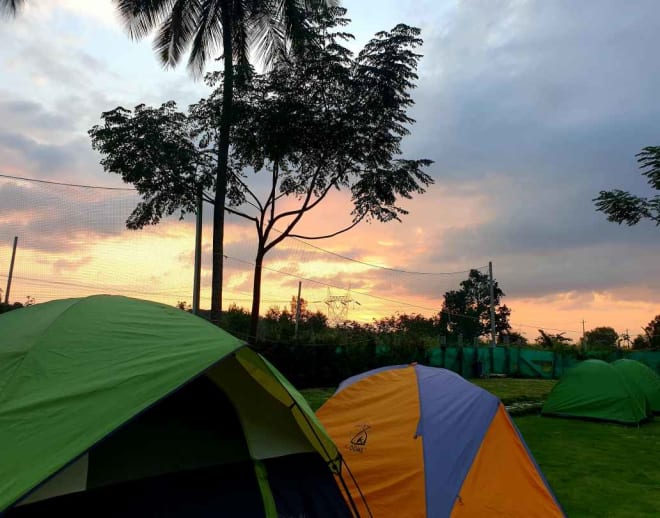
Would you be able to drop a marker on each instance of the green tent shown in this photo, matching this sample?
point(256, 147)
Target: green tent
point(594, 389)
point(111, 406)
point(641, 376)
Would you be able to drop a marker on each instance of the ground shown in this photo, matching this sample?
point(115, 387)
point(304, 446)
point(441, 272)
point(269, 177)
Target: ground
point(595, 469)
point(598, 469)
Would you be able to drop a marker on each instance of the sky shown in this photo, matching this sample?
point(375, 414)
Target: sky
point(527, 108)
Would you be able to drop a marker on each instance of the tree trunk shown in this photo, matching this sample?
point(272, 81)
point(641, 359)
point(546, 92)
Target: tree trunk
point(256, 295)
point(221, 175)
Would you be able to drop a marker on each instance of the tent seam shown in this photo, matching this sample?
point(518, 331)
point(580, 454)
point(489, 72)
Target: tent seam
point(421, 436)
point(630, 392)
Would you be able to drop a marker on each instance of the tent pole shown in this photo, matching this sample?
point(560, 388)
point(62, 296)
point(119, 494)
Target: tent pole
point(348, 494)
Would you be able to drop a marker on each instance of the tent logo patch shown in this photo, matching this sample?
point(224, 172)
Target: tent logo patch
point(358, 442)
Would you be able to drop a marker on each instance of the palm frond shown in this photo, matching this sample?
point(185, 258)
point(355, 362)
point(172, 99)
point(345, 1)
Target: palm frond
point(268, 27)
point(267, 35)
point(208, 36)
point(141, 17)
point(176, 32)
point(240, 32)
point(10, 7)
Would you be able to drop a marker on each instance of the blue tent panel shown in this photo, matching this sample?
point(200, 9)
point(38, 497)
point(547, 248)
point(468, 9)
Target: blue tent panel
point(457, 415)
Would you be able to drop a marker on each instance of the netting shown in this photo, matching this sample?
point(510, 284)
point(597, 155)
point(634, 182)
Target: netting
point(72, 242)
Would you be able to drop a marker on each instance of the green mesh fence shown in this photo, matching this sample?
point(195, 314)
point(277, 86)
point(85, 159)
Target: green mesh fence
point(525, 362)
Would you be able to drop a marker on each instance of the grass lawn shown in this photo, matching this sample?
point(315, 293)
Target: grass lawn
point(512, 390)
point(595, 469)
point(509, 390)
point(598, 469)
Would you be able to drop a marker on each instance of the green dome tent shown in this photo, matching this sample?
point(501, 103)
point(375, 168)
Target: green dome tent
point(638, 374)
point(594, 389)
point(111, 406)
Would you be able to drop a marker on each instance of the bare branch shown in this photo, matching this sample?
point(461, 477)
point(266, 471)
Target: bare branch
point(272, 198)
point(258, 205)
point(303, 208)
point(321, 197)
point(329, 235)
point(241, 214)
point(264, 230)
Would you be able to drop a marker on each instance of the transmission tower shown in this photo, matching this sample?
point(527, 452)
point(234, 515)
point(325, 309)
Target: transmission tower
point(338, 306)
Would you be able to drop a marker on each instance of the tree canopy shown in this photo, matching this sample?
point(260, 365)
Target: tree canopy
point(466, 311)
point(324, 121)
point(651, 337)
point(623, 207)
point(603, 337)
point(552, 341)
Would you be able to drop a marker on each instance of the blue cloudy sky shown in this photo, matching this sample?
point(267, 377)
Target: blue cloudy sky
point(528, 109)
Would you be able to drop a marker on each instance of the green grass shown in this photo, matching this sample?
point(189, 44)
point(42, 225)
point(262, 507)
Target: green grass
point(595, 469)
point(512, 390)
point(507, 389)
point(598, 469)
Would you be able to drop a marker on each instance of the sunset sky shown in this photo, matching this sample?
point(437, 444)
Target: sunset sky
point(528, 109)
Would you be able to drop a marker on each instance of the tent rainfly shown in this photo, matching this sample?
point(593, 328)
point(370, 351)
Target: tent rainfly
point(424, 442)
point(595, 389)
point(646, 380)
point(111, 406)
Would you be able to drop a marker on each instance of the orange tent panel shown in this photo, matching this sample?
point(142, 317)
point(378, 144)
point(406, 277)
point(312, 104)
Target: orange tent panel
point(503, 479)
point(370, 435)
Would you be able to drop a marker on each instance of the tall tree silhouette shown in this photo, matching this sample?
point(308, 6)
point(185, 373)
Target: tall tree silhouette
point(238, 28)
point(324, 122)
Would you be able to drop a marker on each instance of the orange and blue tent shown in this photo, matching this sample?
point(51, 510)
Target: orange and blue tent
point(424, 442)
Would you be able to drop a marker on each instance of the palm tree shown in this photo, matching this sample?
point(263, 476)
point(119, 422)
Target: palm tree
point(236, 27)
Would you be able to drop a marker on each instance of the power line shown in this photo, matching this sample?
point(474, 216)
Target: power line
point(331, 285)
point(544, 328)
point(173, 291)
point(50, 182)
point(402, 303)
point(335, 254)
point(176, 292)
point(371, 265)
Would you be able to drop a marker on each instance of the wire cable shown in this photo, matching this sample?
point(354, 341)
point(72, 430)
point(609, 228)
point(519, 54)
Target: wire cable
point(50, 182)
point(371, 265)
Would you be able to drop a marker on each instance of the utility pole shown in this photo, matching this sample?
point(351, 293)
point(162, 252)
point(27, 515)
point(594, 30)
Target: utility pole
point(493, 336)
point(11, 270)
point(198, 255)
point(295, 333)
point(584, 341)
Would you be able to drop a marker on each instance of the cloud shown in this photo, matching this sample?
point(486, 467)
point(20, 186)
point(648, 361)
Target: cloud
point(513, 84)
point(528, 108)
point(27, 115)
point(97, 12)
point(541, 105)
